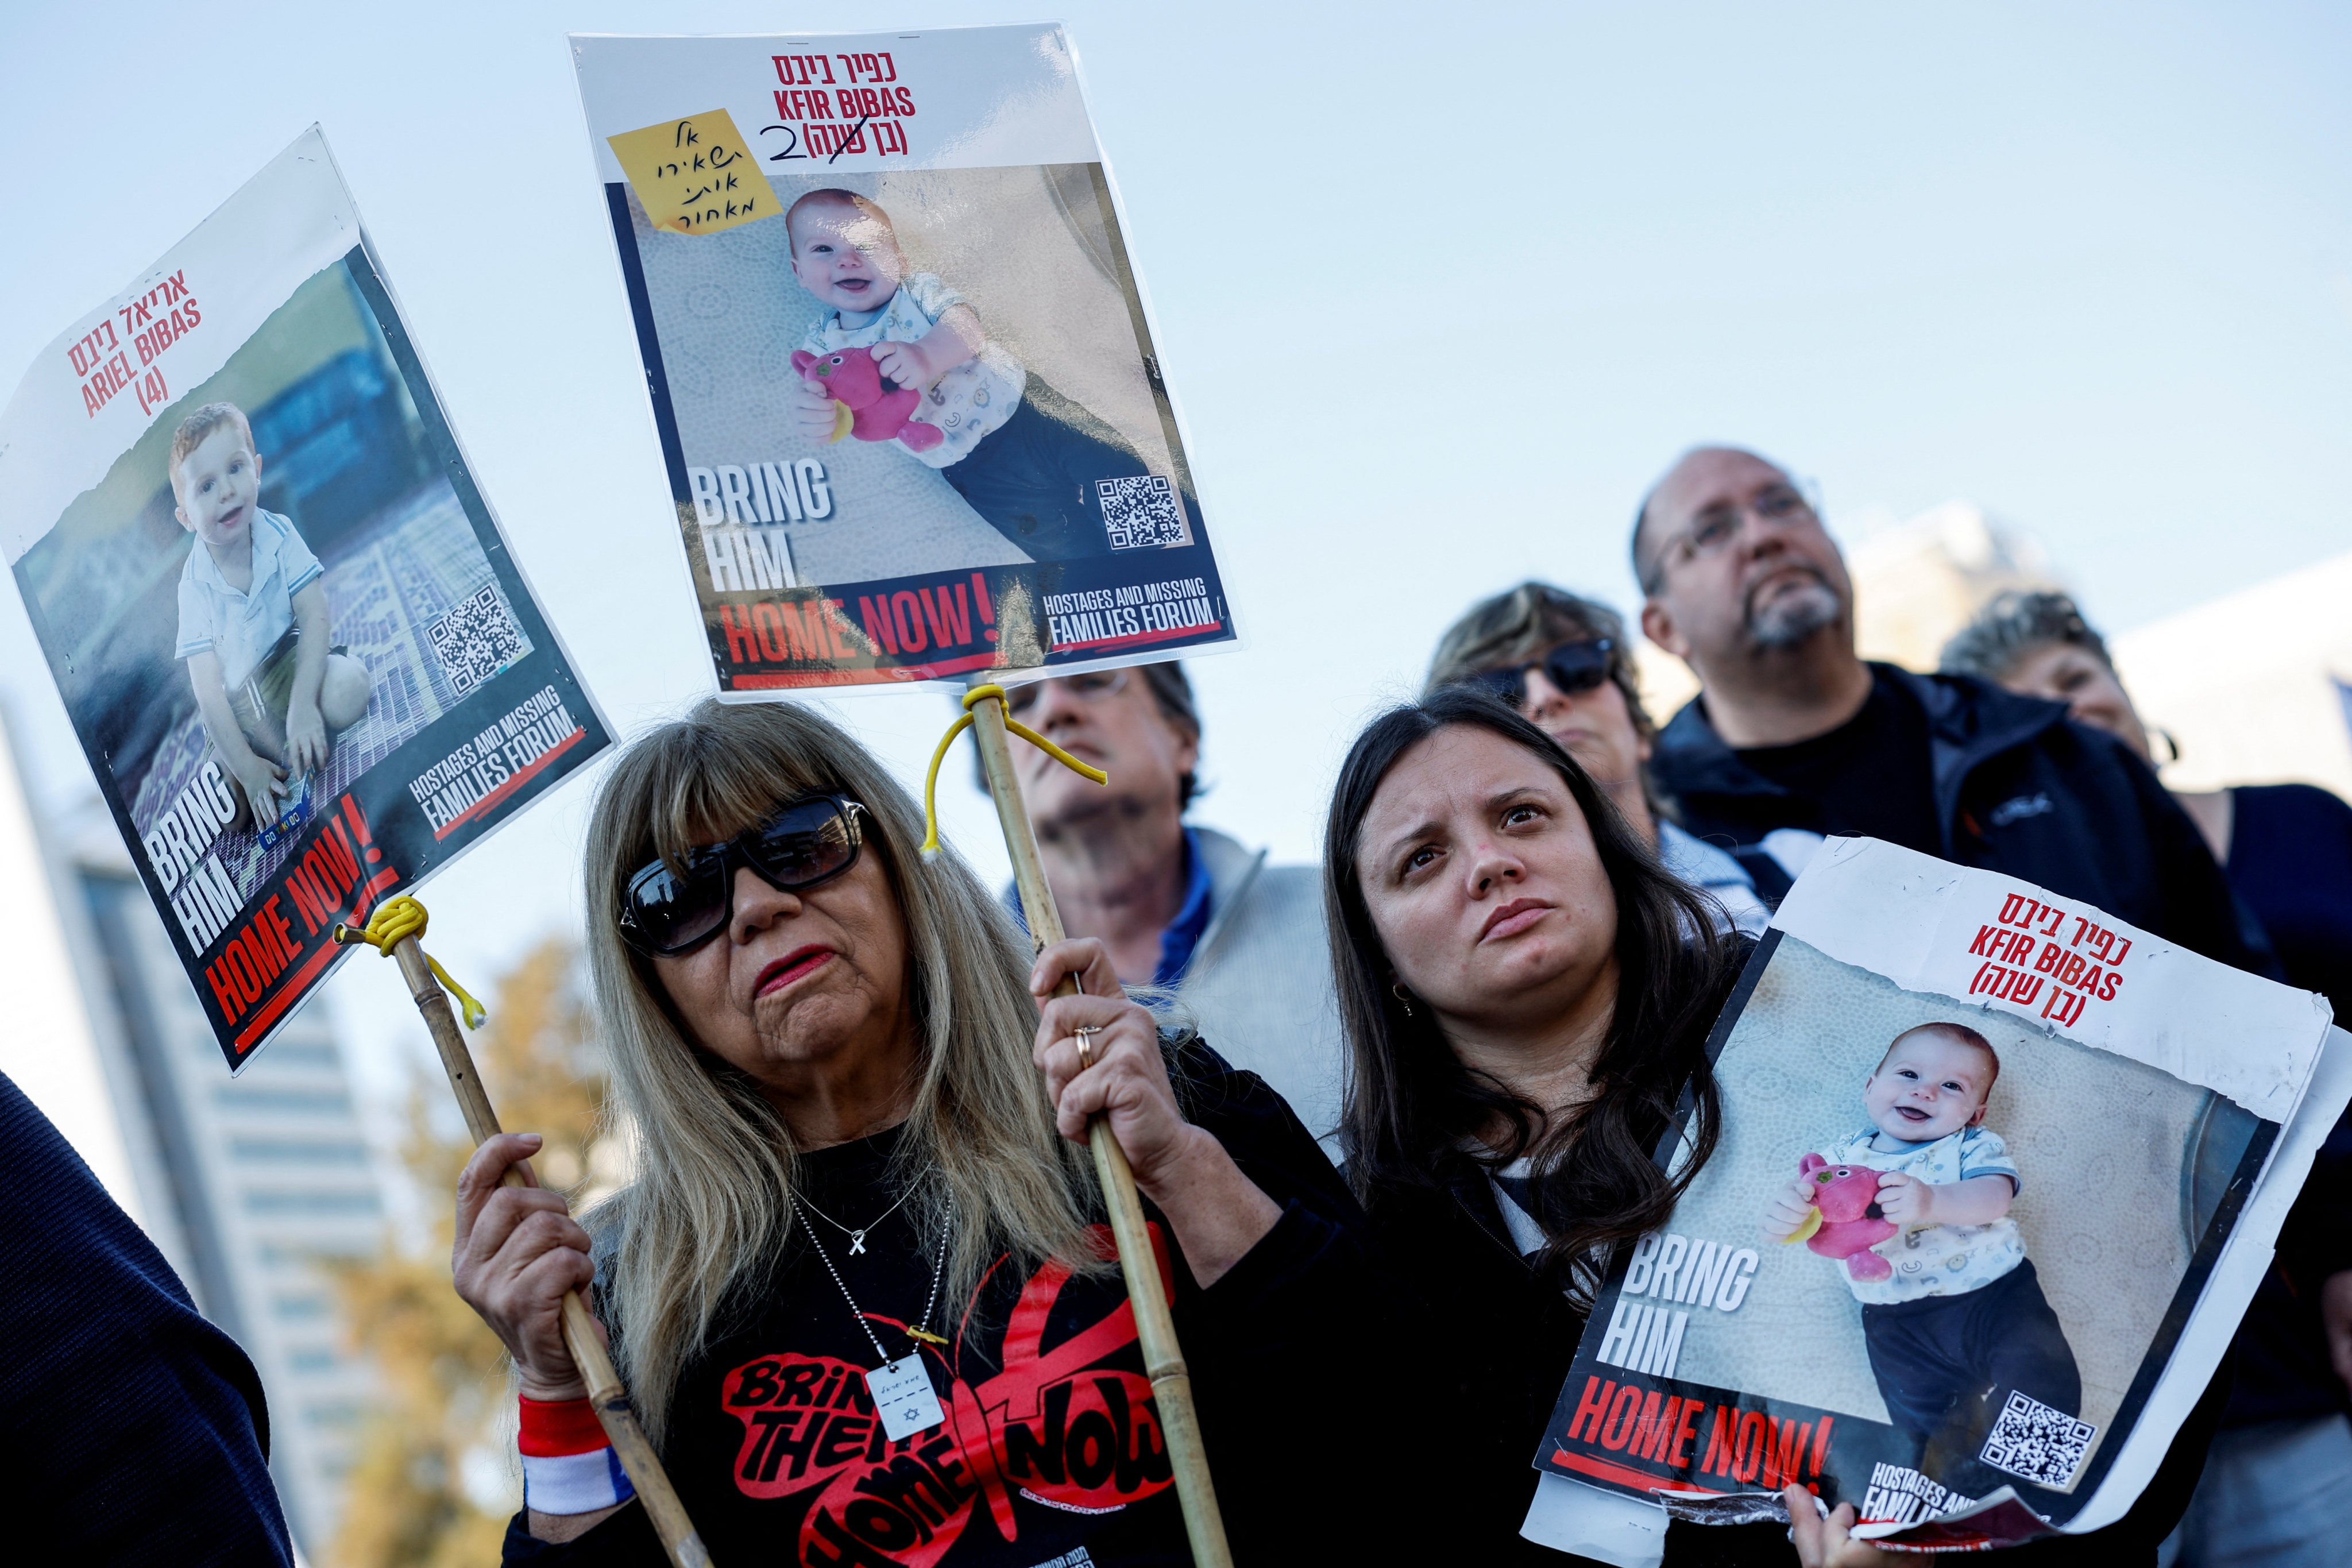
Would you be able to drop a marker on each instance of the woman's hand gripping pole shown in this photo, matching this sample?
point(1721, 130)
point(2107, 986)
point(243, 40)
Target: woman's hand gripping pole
point(392, 931)
point(1155, 1328)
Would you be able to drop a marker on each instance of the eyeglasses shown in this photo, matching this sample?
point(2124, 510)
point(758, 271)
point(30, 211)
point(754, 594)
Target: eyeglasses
point(1718, 525)
point(1572, 666)
point(805, 844)
point(1092, 687)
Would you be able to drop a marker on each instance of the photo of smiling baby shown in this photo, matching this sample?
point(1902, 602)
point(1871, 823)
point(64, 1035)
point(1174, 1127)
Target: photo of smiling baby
point(1033, 463)
point(2003, 1281)
point(1915, 1204)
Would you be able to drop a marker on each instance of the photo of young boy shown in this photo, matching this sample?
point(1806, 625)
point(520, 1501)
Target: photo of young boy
point(287, 632)
point(1030, 462)
point(275, 588)
point(270, 692)
point(1953, 1312)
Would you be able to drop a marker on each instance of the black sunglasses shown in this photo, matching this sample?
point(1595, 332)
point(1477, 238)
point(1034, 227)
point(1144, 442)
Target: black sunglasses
point(806, 843)
point(1572, 666)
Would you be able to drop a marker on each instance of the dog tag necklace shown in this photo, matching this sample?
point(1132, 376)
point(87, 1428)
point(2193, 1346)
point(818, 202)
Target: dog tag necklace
point(901, 1389)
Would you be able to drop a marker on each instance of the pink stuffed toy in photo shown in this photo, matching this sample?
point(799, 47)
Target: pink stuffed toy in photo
point(862, 407)
point(1846, 1221)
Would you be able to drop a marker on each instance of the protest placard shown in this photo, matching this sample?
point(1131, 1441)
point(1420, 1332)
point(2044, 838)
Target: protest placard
point(1997, 1176)
point(900, 366)
point(305, 669)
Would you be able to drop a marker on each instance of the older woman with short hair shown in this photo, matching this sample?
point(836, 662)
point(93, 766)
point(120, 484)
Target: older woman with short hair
point(847, 1175)
point(2287, 847)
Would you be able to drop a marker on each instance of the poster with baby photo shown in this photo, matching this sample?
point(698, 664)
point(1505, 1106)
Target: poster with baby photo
point(305, 670)
point(1996, 1178)
point(900, 366)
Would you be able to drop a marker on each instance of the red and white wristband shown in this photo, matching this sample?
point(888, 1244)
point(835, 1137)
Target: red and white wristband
point(568, 1463)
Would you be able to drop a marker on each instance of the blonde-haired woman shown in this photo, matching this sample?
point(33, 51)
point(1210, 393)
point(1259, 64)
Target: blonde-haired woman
point(856, 1285)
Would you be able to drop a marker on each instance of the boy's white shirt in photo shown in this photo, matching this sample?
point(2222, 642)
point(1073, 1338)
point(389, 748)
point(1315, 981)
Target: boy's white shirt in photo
point(241, 628)
point(969, 402)
point(1936, 1259)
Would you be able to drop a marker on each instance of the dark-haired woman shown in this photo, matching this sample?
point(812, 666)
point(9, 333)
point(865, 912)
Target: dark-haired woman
point(1527, 996)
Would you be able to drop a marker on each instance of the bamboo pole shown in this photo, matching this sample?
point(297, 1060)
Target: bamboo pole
point(605, 1390)
point(1155, 1327)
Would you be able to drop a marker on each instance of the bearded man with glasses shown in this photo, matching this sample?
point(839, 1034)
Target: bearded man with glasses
point(1793, 738)
point(1177, 905)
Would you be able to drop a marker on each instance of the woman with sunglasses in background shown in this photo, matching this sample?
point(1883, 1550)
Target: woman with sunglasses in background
point(1563, 662)
point(857, 1281)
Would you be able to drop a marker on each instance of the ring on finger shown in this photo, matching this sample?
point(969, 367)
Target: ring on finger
point(1084, 1035)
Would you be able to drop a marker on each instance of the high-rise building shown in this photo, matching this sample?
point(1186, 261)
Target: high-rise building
point(251, 1188)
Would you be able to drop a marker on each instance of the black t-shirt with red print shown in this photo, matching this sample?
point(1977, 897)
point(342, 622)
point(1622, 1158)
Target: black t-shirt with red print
point(1051, 1454)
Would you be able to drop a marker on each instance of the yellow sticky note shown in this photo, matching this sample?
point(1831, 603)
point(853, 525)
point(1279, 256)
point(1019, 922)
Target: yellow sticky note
point(695, 176)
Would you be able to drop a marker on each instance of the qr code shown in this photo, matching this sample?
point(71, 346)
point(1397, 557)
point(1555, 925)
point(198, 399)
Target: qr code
point(475, 640)
point(1141, 512)
point(2036, 1443)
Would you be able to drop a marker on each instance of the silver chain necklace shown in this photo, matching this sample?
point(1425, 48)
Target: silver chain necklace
point(858, 1238)
point(921, 1330)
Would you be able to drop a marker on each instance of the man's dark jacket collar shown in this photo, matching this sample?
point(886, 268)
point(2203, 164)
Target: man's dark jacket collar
point(1969, 722)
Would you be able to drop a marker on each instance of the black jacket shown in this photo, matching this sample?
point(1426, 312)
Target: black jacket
point(1495, 1347)
point(2018, 790)
point(1493, 1343)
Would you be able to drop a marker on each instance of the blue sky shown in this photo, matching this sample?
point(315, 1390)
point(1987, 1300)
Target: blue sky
point(1439, 291)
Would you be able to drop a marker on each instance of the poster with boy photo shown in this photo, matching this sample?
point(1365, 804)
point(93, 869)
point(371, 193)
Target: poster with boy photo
point(303, 665)
point(900, 366)
point(1992, 1168)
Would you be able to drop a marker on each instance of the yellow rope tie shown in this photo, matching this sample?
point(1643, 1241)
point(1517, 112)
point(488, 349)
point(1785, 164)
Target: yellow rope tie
point(397, 918)
point(931, 779)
